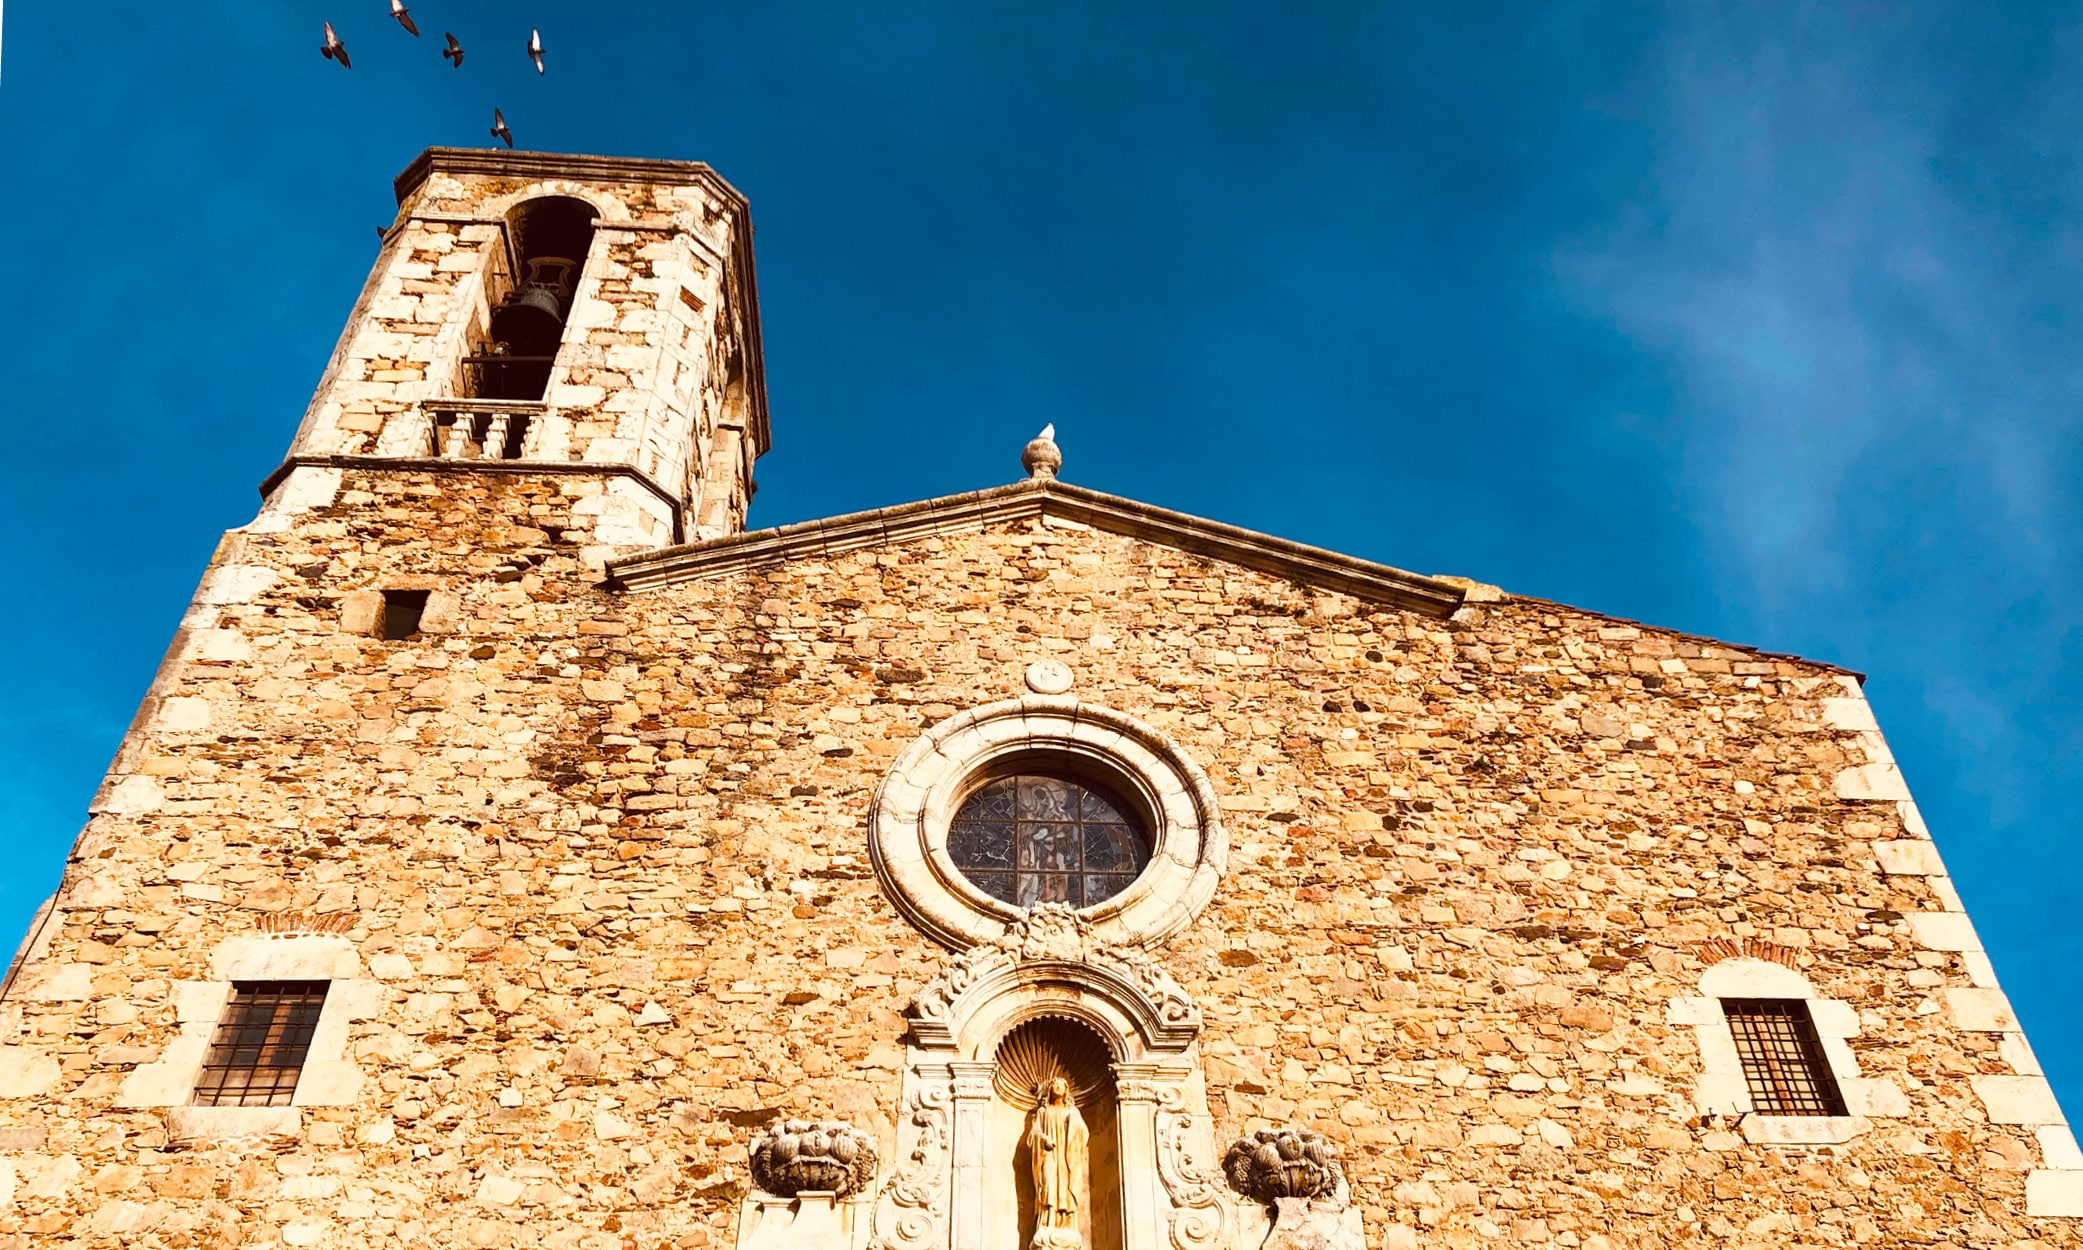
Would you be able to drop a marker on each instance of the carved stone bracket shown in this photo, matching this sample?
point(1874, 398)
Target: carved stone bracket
point(829, 1156)
point(1054, 942)
point(1272, 1164)
point(1299, 1186)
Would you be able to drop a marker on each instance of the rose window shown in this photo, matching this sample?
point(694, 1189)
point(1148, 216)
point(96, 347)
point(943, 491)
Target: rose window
point(1037, 838)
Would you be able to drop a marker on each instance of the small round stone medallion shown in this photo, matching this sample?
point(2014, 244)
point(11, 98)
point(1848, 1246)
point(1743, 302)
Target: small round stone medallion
point(1048, 677)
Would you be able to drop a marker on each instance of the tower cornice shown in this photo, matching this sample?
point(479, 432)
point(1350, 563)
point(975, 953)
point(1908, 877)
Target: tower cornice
point(534, 166)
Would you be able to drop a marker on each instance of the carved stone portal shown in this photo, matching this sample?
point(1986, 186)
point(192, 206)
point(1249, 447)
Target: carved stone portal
point(990, 1152)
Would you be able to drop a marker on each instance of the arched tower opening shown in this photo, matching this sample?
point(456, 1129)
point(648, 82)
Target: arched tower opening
point(548, 240)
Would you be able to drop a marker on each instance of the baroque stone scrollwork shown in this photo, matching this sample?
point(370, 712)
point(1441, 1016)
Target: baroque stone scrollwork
point(1198, 1213)
point(1054, 934)
point(1272, 1164)
point(796, 1156)
point(912, 1207)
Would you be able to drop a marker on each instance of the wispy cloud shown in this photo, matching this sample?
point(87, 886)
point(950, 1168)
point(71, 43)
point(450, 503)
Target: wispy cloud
point(1856, 260)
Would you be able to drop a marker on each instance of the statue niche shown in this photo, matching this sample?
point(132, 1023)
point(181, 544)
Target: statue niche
point(1054, 1126)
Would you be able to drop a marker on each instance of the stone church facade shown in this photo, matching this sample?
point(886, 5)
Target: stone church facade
point(512, 850)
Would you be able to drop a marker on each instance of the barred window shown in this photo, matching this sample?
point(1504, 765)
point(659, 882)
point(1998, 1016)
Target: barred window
point(258, 1051)
point(1783, 1061)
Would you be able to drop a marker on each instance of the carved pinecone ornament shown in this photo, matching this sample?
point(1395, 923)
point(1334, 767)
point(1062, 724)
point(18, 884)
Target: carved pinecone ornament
point(1284, 1163)
point(799, 1155)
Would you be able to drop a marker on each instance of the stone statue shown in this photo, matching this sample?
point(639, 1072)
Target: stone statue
point(1056, 1145)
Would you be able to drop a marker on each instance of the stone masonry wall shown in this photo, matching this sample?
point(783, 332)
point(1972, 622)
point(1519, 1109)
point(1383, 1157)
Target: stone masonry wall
point(606, 855)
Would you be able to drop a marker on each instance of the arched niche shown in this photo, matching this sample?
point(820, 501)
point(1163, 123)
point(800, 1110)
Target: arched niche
point(1140, 1011)
point(549, 239)
point(1023, 1059)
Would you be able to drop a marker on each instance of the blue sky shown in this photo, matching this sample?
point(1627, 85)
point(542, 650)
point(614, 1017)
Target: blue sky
point(1754, 321)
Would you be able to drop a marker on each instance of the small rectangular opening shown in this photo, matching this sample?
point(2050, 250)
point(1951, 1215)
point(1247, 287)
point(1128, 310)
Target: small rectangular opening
point(257, 1052)
point(402, 610)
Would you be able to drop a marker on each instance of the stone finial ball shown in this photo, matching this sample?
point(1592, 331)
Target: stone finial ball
point(1284, 1163)
point(803, 1155)
point(1042, 458)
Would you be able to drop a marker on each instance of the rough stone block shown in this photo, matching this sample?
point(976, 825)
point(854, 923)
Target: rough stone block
point(1876, 783)
point(1944, 931)
point(2056, 1194)
point(26, 1072)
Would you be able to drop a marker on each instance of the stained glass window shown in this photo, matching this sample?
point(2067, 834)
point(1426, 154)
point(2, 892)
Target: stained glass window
point(1035, 838)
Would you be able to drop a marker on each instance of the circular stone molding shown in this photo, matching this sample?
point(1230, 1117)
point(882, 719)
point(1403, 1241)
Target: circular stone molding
point(1048, 677)
point(907, 831)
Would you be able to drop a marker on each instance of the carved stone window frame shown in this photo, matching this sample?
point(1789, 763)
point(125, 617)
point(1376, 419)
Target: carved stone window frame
point(1722, 1090)
point(330, 1078)
point(908, 828)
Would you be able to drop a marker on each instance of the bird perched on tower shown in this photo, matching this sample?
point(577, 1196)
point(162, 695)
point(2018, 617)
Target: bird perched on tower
point(404, 16)
point(334, 50)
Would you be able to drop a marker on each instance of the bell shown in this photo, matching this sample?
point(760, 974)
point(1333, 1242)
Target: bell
point(530, 320)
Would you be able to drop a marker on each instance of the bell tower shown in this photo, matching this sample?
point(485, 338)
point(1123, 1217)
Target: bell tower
point(588, 319)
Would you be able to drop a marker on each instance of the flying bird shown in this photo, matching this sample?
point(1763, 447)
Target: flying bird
point(499, 130)
point(535, 48)
point(454, 50)
point(334, 50)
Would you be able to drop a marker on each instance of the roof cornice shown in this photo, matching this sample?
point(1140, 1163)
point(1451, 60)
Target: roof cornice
point(1034, 499)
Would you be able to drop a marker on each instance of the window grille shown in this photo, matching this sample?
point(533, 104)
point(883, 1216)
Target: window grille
point(1783, 1061)
point(258, 1051)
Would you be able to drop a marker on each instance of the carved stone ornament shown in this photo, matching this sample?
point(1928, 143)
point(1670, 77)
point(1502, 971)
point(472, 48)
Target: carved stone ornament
point(1272, 1164)
point(1200, 1219)
point(912, 1210)
point(1054, 933)
point(796, 1156)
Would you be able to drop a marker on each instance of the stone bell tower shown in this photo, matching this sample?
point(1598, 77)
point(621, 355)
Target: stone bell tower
point(588, 319)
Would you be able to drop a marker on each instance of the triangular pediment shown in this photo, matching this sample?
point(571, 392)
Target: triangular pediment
point(1032, 500)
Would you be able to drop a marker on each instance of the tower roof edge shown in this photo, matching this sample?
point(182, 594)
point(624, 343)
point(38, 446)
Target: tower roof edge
point(489, 162)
